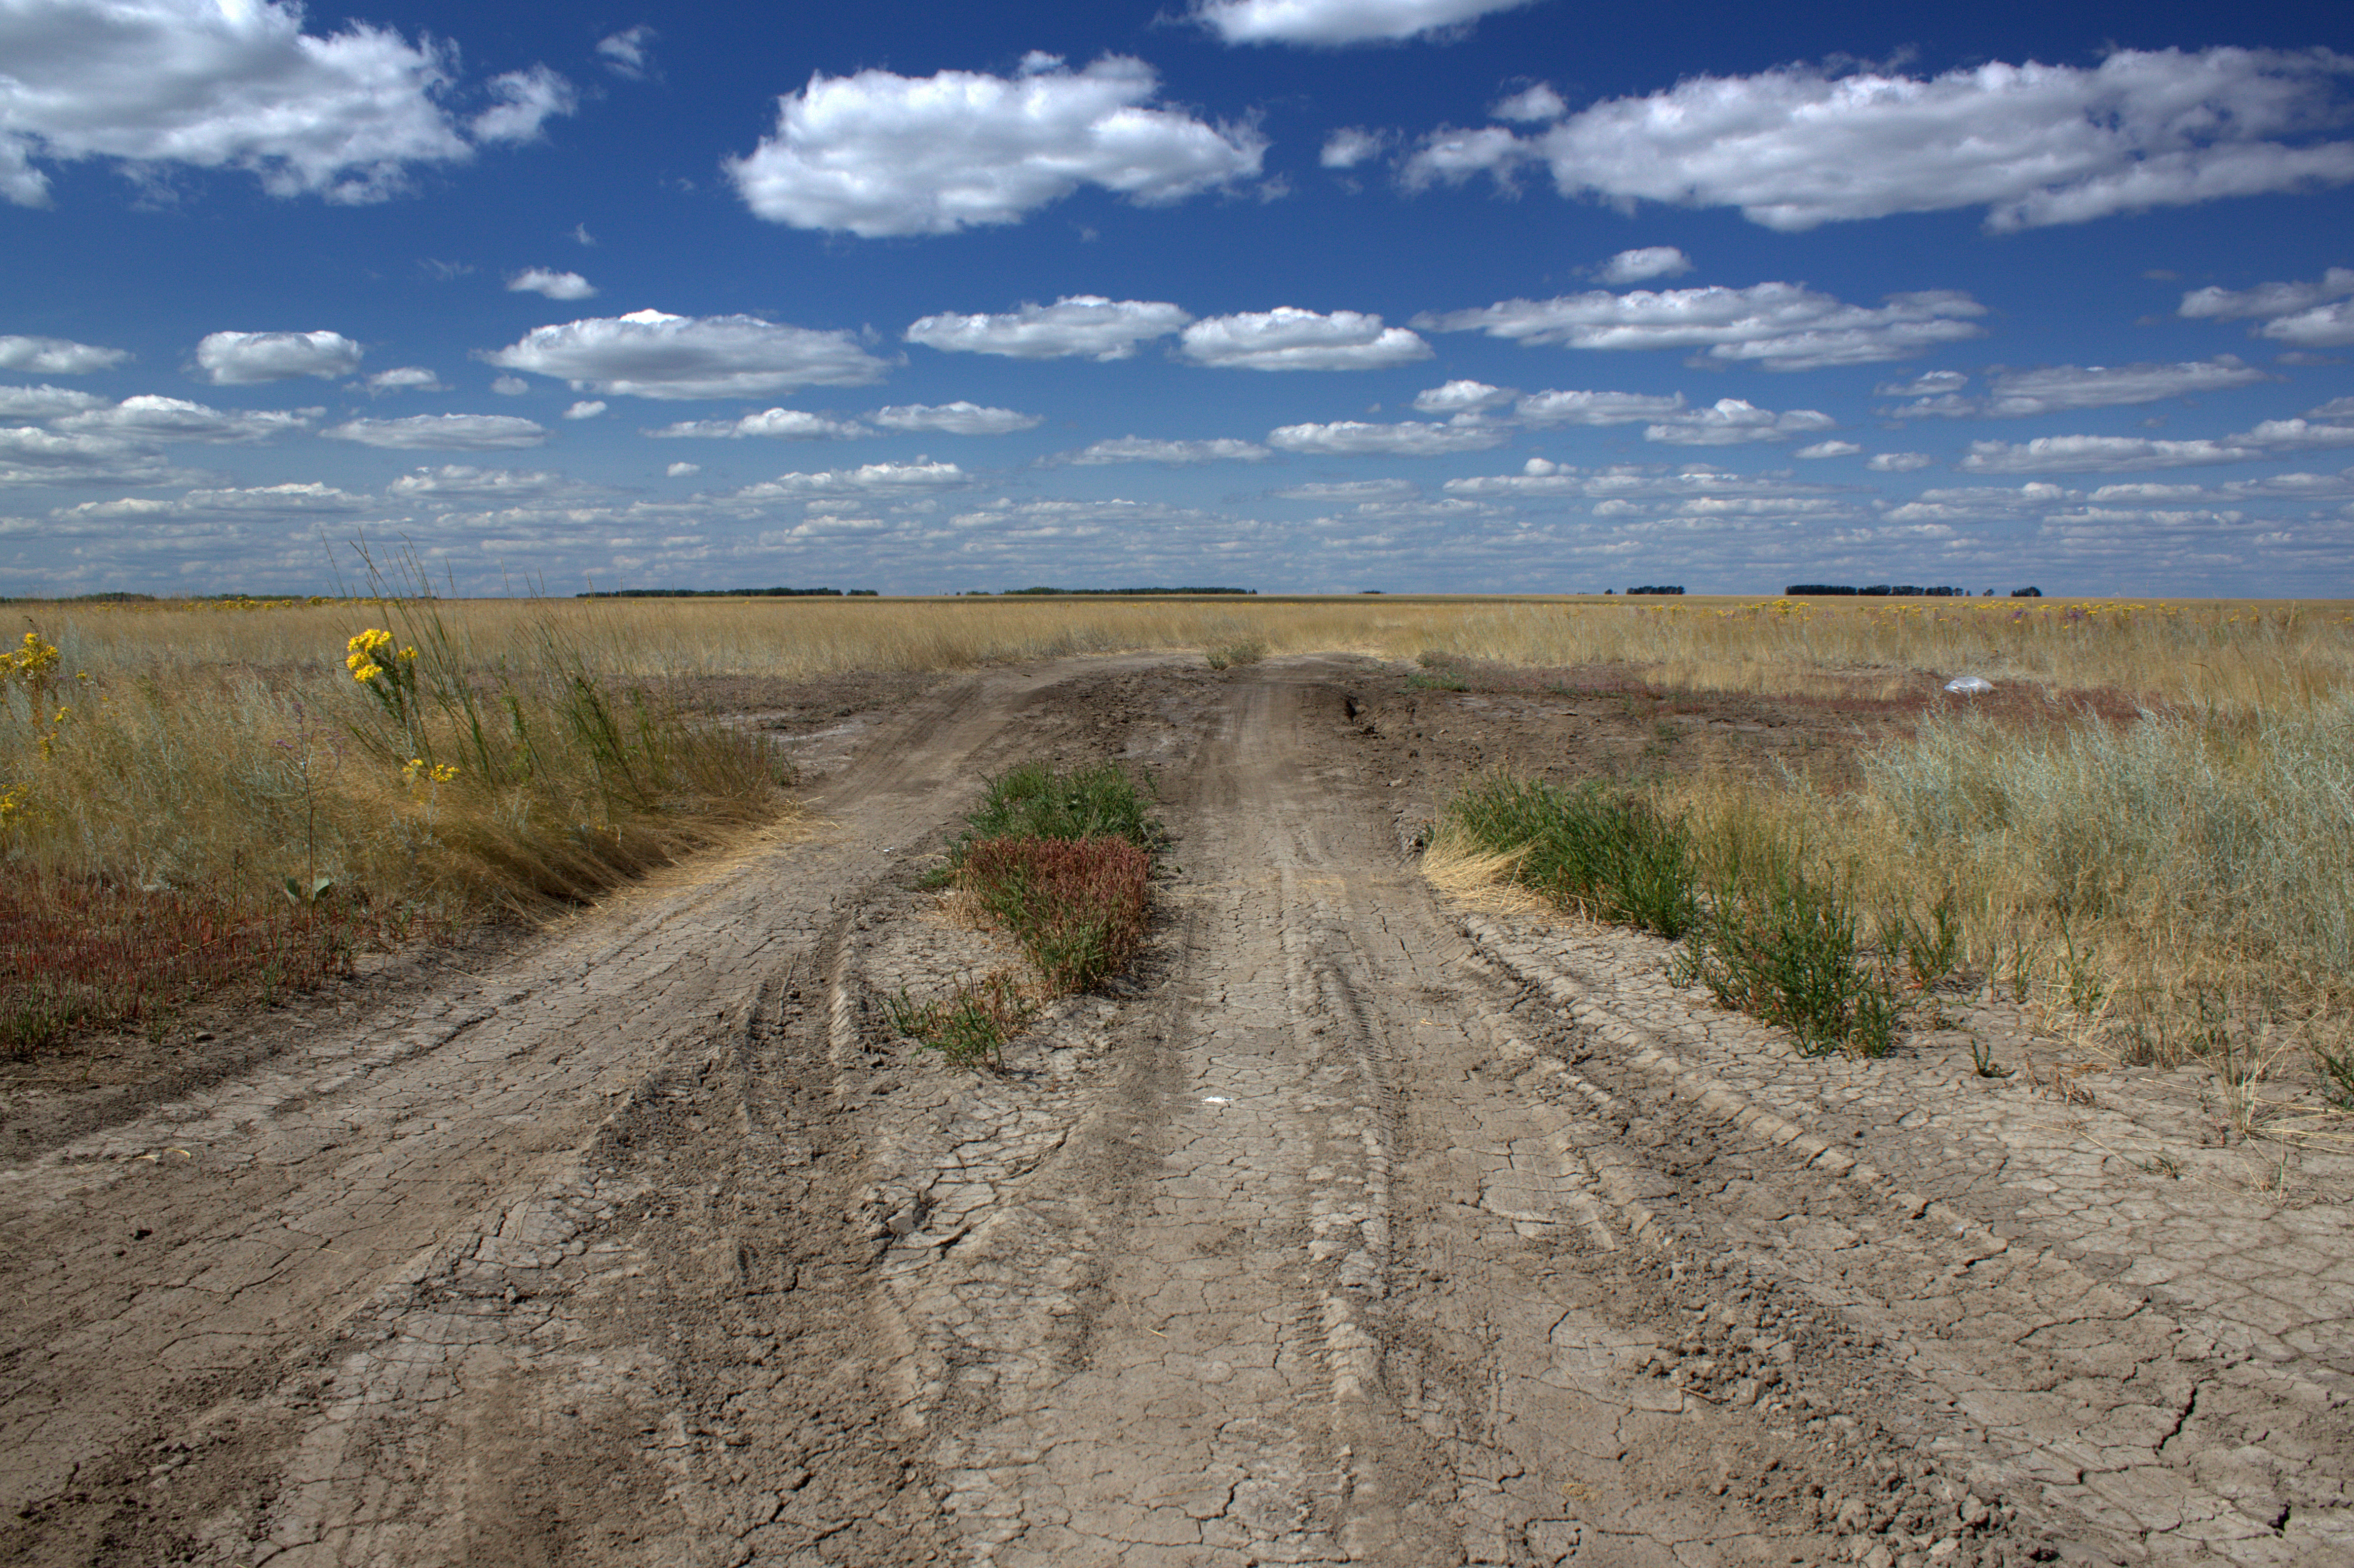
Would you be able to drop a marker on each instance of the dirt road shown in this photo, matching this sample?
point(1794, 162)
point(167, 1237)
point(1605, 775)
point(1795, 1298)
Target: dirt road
point(1349, 1228)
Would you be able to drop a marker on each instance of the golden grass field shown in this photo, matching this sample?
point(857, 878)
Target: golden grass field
point(2188, 864)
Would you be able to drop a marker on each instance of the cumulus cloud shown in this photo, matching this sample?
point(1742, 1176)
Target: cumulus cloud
point(1531, 105)
point(1144, 448)
point(1289, 338)
point(2020, 394)
point(510, 385)
point(1462, 398)
point(1780, 326)
point(1340, 21)
point(2324, 326)
point(43, 402)
point(2099, 454)
point(1074, 325)
point(1897, 462)
point(648, 354)
point(343, 115)
point(1351, 145)
point(588, 408)
point(879, 154)
point(1734, 422)
point(1410, 437)
point(463, 484)
point(2266, 299)
point(154, 419)
point(1829, 450)
point(1596, 407)
point(624, 53)
point(56, 356)
point(917, 478)
point(246, 358)
point(553, 284)
point(2033, 144)
point(31, 455)
point(776, 424)
point(441, 432)
point(2299, 435)
point(1640, 266)
point(680, 470)
point(958, 418)
point(405, 378)
point(1350, 490)
point(1928, 384)
point(266, 501)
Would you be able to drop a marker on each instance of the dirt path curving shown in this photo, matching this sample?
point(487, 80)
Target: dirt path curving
point(1347, 1229)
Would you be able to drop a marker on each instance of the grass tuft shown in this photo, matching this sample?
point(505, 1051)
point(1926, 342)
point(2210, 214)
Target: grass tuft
point(1608, 856)
point(1076, 905)
point(1034, 801)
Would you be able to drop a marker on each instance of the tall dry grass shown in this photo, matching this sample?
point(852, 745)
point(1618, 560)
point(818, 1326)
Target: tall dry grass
point(2242, 655)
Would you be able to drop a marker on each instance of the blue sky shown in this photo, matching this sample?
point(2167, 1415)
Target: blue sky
point(1461, 295)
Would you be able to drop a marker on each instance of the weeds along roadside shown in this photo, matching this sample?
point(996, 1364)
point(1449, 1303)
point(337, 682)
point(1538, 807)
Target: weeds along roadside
point(2166, 891)
point(169, 833)
point(1063, 863)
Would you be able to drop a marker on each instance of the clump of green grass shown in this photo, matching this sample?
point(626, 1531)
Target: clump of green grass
point(1608, 856)
point(1784, 945)
point(1034, 801)
point(1226, 655)
point(970, 1025)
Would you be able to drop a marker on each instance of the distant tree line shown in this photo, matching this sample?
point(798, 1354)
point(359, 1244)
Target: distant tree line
point(1877, 590)
point(729, 593)
point(1655, 590)
point(1111, 593)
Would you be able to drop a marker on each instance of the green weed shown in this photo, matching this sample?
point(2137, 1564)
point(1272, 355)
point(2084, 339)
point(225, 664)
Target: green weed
point(1784, 945)
point(1612, 857)
point(1033, 802)
point(1226, 655)
point(970, 1026)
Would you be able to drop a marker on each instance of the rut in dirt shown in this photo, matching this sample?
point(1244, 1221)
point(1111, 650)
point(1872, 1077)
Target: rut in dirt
point(1344, 1230)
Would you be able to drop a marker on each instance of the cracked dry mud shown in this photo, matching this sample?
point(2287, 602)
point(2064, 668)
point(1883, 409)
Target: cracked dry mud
point(1347, 1228)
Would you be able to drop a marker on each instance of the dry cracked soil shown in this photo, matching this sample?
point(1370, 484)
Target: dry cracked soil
point(1350, 1226)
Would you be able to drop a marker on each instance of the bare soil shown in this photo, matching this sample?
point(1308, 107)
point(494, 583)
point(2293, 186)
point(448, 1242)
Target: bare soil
point(1347, 1227)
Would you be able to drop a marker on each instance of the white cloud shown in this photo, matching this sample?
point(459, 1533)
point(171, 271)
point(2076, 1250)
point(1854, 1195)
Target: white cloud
point(648, 353)
point(1830, 449)
point(525, 101)
point(260, 502)
point(1975, 502)
point(2018, 393)
point(2267, 299)
point(1596, 407)
point(245, 358)
point(1897, 462)
point(43, 402)
point(2099, 454)
point(510, 385)
point(1781, 326)
point(879, 154)
point(445, 432)
point(2298, 435)
point(237, 84)
point(2324, 326)
point(1462, 396)
point(624, 53)
point(1650, 262)
point(2034, 144)
point(1351, 145)
point(680, 470)
point(1073, 325)
point(406, 378)
point(960, 417)
point(1350, 490)
point(30, 455)
point(776, 424)
point(1928, 384)
point(1339, 21)
point(463, 485)
point(917, 478)
point(1411, 438)
point(1289, 338)
point(588, 408)
point(152, 418)
point(1144, 448)
point(1734, 422)
point(1531, 105)
point(56, 356)
point(554, 285)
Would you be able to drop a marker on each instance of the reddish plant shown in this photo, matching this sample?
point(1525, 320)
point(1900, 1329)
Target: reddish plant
point(79, 953)
point(1077, 906)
